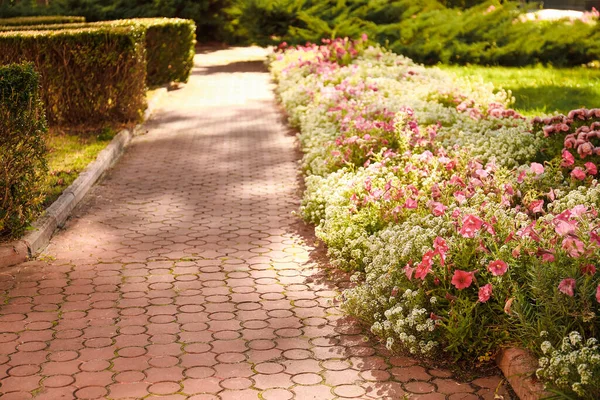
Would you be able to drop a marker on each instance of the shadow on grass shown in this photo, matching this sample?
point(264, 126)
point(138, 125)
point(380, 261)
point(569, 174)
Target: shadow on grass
point(563, 99)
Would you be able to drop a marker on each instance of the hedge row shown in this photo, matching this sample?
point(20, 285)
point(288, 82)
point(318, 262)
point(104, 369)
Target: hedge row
point(41, 20)
point(22, 148)
point(91, 75)
point(170, 44)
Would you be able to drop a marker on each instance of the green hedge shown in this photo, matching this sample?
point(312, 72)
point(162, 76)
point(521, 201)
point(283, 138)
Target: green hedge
point(90, 76)
point(170, 45)
point(41, 20)
point(22, 147)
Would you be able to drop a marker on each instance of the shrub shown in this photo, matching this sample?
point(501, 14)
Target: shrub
point(40, 20)
point(90, 76)
point(170, 45)
point(22, 148)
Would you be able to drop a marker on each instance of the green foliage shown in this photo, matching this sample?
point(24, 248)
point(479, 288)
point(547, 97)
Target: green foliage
point(22, 148)
point(170, 44)
point(88, 75)
point(41, 20)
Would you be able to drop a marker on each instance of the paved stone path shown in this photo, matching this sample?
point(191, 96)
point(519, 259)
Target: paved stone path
point(185, 275)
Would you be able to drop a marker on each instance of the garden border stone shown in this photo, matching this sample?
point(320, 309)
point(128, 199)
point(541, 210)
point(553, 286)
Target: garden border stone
point(519, 366)
point(57, 214)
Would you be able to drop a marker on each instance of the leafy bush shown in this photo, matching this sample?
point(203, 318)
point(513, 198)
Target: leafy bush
point(170, 45)
point(90, 76)
point(468, 226)
point(40, 20)
point(22, 148)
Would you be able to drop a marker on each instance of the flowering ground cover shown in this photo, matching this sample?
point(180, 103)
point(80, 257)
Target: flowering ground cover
point(468, 226)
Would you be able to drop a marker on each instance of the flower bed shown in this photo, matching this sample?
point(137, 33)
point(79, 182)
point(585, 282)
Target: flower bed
point(468, 226)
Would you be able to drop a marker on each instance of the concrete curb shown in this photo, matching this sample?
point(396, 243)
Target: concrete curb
point(518, 367)
point(56, 215)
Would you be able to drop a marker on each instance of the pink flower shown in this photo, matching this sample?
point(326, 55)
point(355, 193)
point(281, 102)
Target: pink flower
point(425, 265)
point(595, 237)
point(598, 294)
point(591, 168)
point(460, 197)
point(485, 292)
point(565, 227)
point(573, 246)
point(578, 173)
point(408, 270)
point(438, 209)
point(567, 286)
point(578, 210)
point(497, 267)
point(441, 248)
point(470, 226)
point(537, 206)
point(588, 269)
point(567, 158)
point(410, 203)
point(462, 279)
point(537, 168)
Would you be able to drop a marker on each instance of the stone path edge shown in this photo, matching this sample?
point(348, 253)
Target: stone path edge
point(35, 241)
point(518, 367)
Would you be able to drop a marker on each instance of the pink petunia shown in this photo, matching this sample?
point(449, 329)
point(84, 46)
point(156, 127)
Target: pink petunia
point(497, 267)
point(565, 227)
point(588, 269)
point(438, 209)
point(567, 286)
point(598, 294)
point(578, 173)
point(537, 206)
point(441, 248)
point(567, 159)
point(591, 168)
point(408, 270)
point(573, 246)
point(460, 197)
point(485, 292)
point(462, 279)
point(537, 168)
point(410, 203)
point(471, 224)
point(424, 267)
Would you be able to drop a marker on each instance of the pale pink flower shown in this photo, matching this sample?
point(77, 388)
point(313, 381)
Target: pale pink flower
point(537, 206)
point(573, 246)
point(537, 168)
point(470, 226)
point(410, 203)
point(567, 286)
point(567, 159)
point(438, 209)
point(462, 279)
point(441, 248)
point(578, 173)
point(408, 270)
point(598, 294)
point(497, 267)
point(578, 210)
point(564, 227)
point(485, 292)
point(591, 168)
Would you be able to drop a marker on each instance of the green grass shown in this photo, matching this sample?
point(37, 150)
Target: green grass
point(68, 155)
point(541, 90)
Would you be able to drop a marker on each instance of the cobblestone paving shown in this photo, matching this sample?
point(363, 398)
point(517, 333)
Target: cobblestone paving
point(185, 275)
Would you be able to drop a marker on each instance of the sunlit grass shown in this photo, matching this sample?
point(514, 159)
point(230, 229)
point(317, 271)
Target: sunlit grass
point(541, 90)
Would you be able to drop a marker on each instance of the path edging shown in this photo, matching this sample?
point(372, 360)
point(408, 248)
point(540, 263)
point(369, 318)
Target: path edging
point(56, 215)
point(519, 366)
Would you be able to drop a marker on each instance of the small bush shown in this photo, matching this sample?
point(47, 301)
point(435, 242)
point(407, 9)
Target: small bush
point(90, 76)
point(170, 45)
point(41, 20)
point(22, 148)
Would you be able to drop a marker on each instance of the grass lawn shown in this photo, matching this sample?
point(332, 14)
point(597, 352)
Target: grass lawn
point(68, 155)
point(541, 90)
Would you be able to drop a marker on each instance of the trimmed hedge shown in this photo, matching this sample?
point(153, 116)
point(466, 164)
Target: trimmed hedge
point(41, 20)
point(91, 75)
point(170, 45)
point(22, 147)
